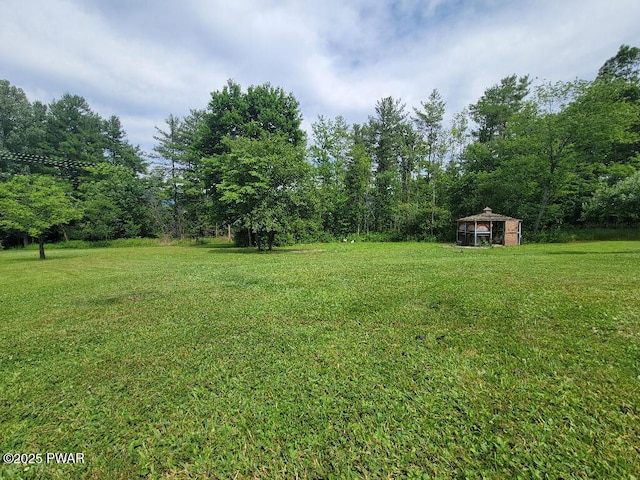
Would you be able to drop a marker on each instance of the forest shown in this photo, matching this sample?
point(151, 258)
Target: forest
point(555, 154)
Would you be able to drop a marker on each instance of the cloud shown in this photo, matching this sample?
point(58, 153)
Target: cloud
point(144, 60)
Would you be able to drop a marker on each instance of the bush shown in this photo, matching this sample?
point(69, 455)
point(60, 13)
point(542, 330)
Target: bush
point(376, 237)
point(618, 204)
point(601, 233)
point(585, 234)
point(554, 235)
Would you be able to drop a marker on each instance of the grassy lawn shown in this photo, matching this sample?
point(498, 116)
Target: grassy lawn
point(330, 361)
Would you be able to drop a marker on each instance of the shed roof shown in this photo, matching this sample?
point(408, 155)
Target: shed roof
point(487, 216)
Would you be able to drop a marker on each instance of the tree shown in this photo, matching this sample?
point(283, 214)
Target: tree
point(33, 204)
point(233, 113)
point(525, 170)
point(74, 131)
point(548, 142)
point(20, 129)
point(428, 122)
point(183, 174)
point(261, 185)
point(15, 117)
point(197, 201)
point(615, 205)
point(619, 77)
point(118, 150)
point(386, 146)
point(605, 124)
point(172, 148)
point(35, 135)
point(252, 142)
point(498, 104)
point(358, 182)
point(114, 204)
point(455, 192)
point(625, 64)
point(329, 152)
point(158, 198)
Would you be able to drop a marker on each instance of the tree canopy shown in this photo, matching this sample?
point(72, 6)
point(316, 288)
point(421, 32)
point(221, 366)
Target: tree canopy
point(32, 204)
point(550, 153)
point(256, 165)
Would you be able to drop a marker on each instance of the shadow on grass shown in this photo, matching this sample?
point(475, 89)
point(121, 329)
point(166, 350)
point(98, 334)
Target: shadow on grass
point(36, 259)
point(254, 250)
point(206, 244)
point(582, 252)
point(227, 248)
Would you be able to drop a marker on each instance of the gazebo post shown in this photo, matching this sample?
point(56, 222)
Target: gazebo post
point(475, 233)
point(519, 233)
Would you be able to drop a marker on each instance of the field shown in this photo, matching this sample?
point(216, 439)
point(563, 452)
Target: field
point(324, 361)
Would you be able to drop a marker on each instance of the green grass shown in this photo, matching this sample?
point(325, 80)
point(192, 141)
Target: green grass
point(330, 361)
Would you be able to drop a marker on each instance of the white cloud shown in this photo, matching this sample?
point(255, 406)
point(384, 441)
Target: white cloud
point(145, 60)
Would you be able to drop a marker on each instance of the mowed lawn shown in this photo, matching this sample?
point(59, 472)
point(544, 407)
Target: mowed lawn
point(323, 361)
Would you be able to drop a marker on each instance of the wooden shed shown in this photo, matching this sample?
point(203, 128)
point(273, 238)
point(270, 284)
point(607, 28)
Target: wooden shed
point(488, 228)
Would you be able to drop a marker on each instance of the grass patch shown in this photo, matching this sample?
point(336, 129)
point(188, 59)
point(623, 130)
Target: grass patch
point(339, 360)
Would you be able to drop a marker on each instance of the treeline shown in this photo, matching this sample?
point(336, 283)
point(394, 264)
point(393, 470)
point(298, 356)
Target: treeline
point(552, 154)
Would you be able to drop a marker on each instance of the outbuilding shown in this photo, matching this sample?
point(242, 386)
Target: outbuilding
point(488, 228)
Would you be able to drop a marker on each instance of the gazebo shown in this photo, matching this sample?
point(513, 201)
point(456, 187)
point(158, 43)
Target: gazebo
point(488, 228)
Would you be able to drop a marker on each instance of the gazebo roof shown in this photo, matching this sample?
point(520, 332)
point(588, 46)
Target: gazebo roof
point(487, 216)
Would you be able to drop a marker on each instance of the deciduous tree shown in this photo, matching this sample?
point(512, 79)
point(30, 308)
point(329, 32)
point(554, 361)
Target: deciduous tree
point(615, 205)
point(33, 204)
point(329, 154)
point(261, 185)
point(115, 204)
point(358, 183)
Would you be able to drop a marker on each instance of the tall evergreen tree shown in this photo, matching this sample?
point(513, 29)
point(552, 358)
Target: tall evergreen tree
point(386, 145)
point(497, 105)
point(172, 150)
point(15, 117)
point(74, 131)
point(429, 123)
point(118, 150)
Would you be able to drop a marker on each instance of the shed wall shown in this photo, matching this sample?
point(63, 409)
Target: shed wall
point(511, 232)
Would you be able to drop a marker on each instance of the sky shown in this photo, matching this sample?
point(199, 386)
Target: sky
point(145, 59)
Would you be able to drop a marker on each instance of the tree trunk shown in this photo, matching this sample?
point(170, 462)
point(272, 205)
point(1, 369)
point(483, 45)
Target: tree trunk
point(546, 193)
point(543, 207)
point(433, 206)
point(41, 242)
